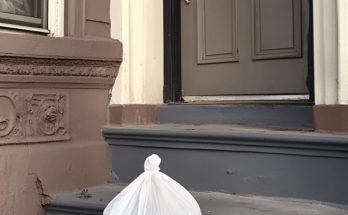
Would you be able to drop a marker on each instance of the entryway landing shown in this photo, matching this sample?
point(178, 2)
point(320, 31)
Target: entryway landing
point(281, 116)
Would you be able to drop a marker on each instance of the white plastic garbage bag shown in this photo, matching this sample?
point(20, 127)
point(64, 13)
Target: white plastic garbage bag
point(153, 193)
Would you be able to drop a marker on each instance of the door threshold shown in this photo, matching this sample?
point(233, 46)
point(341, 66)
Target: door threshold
point(248, 98)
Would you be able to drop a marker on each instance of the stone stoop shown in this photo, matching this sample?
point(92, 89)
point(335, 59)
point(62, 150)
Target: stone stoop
point(239, 170)
point(211, 203)
point(237, 160)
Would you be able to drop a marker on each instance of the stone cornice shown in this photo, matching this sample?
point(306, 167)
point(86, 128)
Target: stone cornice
point(58, 67)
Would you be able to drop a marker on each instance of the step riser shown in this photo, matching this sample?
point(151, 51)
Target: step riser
point(78, 210)
point(261, 115)
point(294, 175)
point(72, 213)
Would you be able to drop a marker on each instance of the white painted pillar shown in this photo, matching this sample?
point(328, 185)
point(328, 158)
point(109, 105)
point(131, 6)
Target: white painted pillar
point(140, 79)
point(325, 51)
point(343, 51)
point(331, 51)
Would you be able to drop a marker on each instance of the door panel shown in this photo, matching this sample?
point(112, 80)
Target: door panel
point(217, 43)
point(276, 28)
point(244, 47)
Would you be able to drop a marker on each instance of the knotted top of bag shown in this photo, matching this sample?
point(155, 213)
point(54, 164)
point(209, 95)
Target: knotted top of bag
point(152, 163)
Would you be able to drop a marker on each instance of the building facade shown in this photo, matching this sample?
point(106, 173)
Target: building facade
point(58, 63)
point(61, 81)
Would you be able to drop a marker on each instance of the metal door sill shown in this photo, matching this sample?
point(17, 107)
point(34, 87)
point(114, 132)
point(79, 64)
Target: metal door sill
point(243, 98)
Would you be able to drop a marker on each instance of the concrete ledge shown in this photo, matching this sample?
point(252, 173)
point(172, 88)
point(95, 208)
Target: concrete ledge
point(229, 138)
point(37, 46)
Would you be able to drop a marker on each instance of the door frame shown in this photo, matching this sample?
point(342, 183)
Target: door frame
point(172, 52)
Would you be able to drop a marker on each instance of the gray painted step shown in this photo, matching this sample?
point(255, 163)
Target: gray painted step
point(260, 115)
point(211, 203)
point(71, 203)
point(291, 164)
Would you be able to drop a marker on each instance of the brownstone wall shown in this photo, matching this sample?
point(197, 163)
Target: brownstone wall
point(331, 118)
point(132, 114)
point(54, 94)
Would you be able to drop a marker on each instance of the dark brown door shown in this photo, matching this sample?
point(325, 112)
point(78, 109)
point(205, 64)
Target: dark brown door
point(244, 47)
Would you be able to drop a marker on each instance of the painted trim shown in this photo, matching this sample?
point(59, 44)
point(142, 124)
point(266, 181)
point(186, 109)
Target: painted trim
point(23, 28)
point(56, 18)
point(172, 50)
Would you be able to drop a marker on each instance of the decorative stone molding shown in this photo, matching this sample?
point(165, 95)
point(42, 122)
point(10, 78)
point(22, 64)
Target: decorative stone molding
point(27, 117)
point(58, 67)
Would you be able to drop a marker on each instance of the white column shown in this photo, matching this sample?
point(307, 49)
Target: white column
point(140, 79)
point(325, 51)
point(342, 8)
point(331, 51)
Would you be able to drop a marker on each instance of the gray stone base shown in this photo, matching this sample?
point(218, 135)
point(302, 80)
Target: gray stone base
point(211, 203)
point(291, 164)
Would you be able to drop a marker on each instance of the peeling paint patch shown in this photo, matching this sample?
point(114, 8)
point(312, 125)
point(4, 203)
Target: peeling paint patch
point(45, 198)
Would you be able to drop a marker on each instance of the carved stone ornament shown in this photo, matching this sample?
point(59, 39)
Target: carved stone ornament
point(33, 117)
